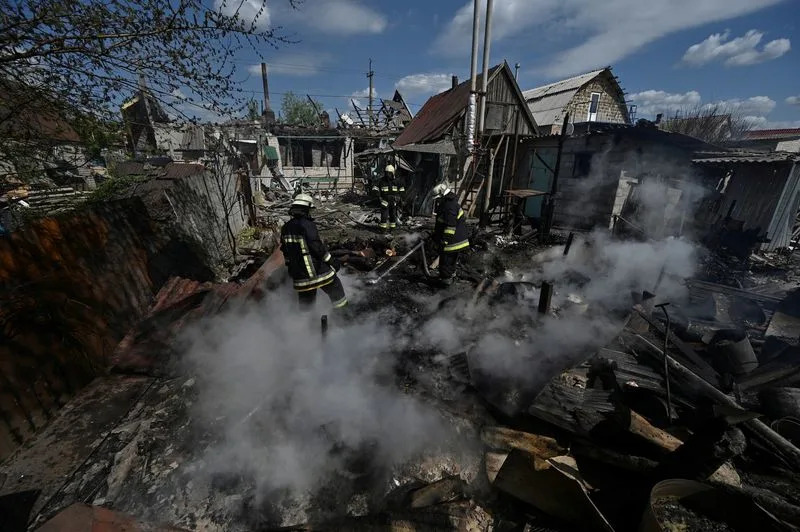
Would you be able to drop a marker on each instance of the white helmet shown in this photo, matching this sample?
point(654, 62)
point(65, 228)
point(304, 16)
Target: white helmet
point(389, 168)
point(441, 190)
point(303, 200)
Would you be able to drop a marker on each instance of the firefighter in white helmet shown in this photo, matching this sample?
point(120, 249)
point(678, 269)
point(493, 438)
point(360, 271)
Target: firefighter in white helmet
point(390, 191)
point(310, 264)
point(450, 233)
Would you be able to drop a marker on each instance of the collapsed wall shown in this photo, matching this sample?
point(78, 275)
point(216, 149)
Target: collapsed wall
point(70, 288)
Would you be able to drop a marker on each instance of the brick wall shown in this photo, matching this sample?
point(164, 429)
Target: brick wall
point(611, 107)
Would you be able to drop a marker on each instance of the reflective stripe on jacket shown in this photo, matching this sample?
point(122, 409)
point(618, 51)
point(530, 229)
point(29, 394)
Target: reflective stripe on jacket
point(305, 255)
point(391, 187)
point(451, 227)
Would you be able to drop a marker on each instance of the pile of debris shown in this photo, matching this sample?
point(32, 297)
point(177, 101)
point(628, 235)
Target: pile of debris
point(672, 417)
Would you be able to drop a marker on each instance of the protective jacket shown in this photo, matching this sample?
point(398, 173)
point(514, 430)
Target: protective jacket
point(391, 187)
point(451, 227)
point(305, 255)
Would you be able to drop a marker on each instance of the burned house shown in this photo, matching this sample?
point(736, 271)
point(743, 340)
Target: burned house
point(640, 177)
point(591, 97)
point(435, 141)
point(141, 115)
point(755, 200)
point(320, 157)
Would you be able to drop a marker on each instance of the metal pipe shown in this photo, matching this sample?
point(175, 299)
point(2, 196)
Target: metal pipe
point(476, 15)
point(570, 238)
point(425, 267)
point(545, 296)
point(396, 264)
point(487, 45)
point(663, 307)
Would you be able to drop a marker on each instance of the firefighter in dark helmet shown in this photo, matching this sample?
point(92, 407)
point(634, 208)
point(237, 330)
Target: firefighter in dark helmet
point(310, 264)
point(450, 232)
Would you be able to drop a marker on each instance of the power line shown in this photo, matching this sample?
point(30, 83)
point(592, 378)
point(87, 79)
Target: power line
point(314, 68)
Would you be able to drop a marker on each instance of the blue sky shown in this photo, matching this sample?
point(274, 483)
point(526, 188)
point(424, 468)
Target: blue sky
point(668, 54)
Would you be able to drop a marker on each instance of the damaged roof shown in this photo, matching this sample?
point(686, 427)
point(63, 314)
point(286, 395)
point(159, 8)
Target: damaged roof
point(172, 170)
point(745, 157)
point(766, 134)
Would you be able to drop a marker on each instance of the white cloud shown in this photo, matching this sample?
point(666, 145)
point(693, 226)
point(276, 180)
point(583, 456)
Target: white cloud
point(364, 93)
point(336, 17)
point(293, 64)
point(424, 83)
point(605, 31)
point(740, 51)
point(343, 17)
point(755, 105)
point(761, 122)
point(250, 11)
point(652, 102)
point(793, 100)
point(753, 110)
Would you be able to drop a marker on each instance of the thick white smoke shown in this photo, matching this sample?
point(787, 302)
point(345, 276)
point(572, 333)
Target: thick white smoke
point(293, 408)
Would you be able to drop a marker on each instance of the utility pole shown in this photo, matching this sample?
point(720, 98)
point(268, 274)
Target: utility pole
point(370, 74)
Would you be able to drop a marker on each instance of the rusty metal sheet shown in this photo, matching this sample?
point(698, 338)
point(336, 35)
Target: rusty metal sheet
point(85, 518)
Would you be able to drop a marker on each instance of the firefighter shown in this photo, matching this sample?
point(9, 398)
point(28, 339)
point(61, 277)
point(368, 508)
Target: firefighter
point(449, 233)
point(310, 264)
point(389, 192)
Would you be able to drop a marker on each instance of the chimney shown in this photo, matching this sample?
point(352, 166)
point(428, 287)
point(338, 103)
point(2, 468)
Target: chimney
point(454, 80)
point(269, 115)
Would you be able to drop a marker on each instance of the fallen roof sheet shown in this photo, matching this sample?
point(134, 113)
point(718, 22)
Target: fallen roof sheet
point(444, 146)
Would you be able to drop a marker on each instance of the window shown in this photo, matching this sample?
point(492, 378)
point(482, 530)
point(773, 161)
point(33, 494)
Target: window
point(594, 103)
point(582, 164)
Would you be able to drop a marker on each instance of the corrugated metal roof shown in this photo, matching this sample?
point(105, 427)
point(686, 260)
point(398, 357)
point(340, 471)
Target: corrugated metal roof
point(549, 109)
point(547, 102)
point(436, 116)
point(753, 157)
point(771, 133)
point(573, 83)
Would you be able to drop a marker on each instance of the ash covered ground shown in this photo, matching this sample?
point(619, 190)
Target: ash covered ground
point(247, 415)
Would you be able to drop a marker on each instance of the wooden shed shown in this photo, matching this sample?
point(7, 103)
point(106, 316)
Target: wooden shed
point(435, 141)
